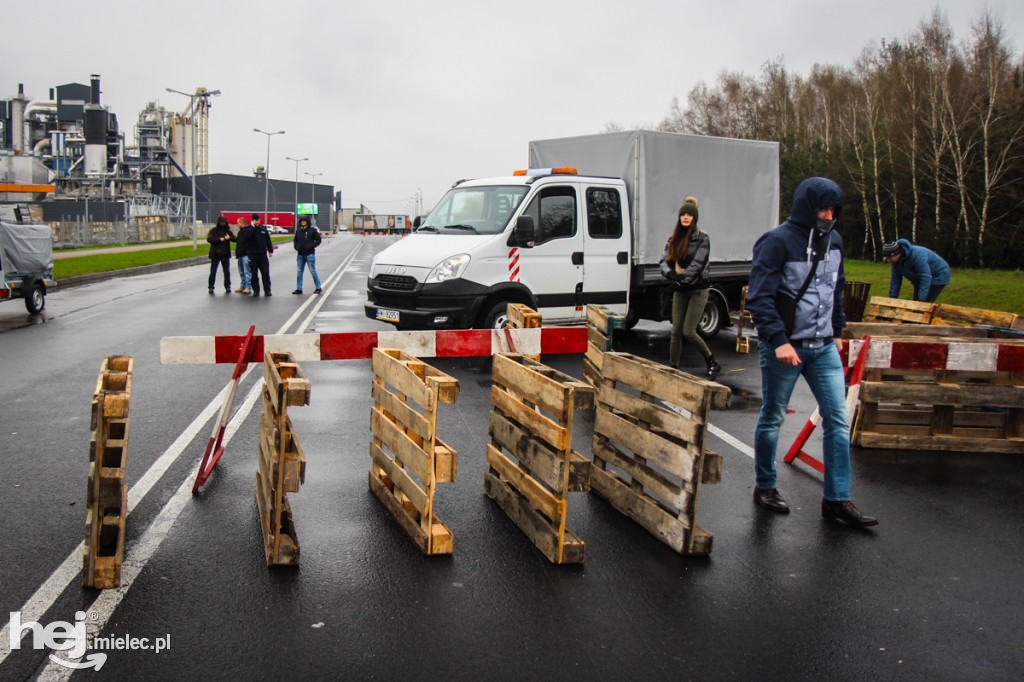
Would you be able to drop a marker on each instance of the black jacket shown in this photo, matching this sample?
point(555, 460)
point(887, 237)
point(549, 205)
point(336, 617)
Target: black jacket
point(259, 241)
point(695, 265)
point(218, 248)
point(306, 240)
point(242, 241)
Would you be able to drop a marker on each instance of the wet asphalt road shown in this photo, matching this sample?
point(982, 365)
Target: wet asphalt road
point(935, 592)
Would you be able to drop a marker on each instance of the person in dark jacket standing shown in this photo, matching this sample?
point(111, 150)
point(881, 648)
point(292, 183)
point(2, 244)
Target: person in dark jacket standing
point(220, 239)
point(306, 240)
point(260, 249)
point(925, 269)
point(685, 264)
point(241, 242)
point(803, 254)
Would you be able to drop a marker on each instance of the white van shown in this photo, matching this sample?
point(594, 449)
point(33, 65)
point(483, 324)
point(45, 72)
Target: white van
point(557, 240)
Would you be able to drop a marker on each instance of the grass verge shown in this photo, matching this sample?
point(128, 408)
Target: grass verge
point(107, 262)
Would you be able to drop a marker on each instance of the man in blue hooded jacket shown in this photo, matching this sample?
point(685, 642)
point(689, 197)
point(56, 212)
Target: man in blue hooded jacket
point(925, 269)
point(802, 259)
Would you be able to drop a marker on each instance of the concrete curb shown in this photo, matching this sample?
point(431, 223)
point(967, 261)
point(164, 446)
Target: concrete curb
point(91, 278)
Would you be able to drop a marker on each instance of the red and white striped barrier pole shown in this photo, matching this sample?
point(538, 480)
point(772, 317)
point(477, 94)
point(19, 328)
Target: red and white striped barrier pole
point(219, 426)
point(441, 343)
point(852, 396)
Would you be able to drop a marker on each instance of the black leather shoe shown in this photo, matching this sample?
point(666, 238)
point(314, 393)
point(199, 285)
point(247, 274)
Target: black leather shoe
point(297, 291)
point(770, 499)
point(843, 511)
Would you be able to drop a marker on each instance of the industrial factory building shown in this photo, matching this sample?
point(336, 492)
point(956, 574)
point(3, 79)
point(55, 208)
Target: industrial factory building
point(68, 160)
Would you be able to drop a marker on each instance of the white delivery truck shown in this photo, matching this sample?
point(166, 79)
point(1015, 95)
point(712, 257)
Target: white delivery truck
point(586, 224)
point(26, 260)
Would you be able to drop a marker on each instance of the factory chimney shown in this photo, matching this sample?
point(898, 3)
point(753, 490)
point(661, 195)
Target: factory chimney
point(95, 81)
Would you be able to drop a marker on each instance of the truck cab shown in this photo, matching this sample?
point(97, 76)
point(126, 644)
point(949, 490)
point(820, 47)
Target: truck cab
point(549, 238)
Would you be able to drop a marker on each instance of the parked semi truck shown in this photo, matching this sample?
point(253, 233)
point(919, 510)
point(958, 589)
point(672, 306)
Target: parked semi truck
point(586, 223)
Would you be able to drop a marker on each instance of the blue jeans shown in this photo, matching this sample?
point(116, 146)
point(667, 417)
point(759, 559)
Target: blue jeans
point(823, 371)
point(243, 272)
point(302, 262)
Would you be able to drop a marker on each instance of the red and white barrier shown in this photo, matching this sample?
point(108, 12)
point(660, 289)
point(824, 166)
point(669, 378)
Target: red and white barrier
point(441, 343)
point(968, 357)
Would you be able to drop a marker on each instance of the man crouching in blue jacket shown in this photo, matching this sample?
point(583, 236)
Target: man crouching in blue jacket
point(796, 300)
point(925, 269)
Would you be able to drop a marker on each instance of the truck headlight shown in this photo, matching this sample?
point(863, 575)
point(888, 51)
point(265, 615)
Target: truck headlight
point(449, 268)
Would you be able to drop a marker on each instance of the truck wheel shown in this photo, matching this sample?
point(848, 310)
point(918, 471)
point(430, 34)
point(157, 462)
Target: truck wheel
point(496, 317)
point(711, 320)
point(37, 300)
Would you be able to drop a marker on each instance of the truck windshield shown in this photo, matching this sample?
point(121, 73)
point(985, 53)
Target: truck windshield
point(483, 210)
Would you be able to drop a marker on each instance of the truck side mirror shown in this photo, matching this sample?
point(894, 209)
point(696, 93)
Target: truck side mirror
point(523, 233)
point(417, 222)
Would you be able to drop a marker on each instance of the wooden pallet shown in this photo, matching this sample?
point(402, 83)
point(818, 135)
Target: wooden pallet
point(409, 460)
point(649, 455)
point(745, 322)
point(899, 310)
point(521, 316)
point(282, 464)
point(601, 326)
point(106, 492)
point(941, 410)
point(533, 467)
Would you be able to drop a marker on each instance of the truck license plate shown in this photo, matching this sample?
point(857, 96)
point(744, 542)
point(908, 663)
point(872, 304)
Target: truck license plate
point(387, 315)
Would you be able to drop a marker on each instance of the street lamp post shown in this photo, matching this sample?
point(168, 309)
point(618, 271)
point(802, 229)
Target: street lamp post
point(201, 92)
point(266, 171)
point(312, 189)
point(295, 207)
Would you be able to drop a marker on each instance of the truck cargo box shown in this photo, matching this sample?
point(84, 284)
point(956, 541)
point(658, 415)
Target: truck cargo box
point(736, 182)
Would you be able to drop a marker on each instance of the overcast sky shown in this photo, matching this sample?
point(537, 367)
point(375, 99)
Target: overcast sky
point(388, 98)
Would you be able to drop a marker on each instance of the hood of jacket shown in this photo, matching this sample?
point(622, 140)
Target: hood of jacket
point(811, 196)
point(904, 245)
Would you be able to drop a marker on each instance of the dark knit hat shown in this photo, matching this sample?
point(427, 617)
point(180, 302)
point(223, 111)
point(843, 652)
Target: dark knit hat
point(890, 249)
point(689, 207)
point(255, 216)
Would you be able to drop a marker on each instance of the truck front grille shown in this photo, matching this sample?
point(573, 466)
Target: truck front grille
point(396, 282)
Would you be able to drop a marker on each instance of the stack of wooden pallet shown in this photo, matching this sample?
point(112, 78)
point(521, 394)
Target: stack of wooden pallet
point(282, 465)
point(524, 317)
point(651, 425)
point(532, 420)
point(895, 310)
point(942, 394)
point(107, 494)
point(601, 326)
point(409, 460)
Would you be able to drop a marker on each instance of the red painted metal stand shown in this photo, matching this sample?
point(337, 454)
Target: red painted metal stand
point(214, 449)
point(852, 396)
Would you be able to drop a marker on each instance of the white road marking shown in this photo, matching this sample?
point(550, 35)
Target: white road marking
point(46, 594)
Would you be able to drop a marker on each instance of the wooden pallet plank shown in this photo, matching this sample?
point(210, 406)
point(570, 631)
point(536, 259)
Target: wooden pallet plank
point(544, 463)
point(535, 422)
point(954, 314)
point(943, 443)
point(446, 462)
point(679, 496)
point(534, 525)
point(543, 499)
point(419, 498)
point(943, 394)
point(529, 384)
point(689, 429)
point(855, 330)
point(665, 383)
point(673, 458)
point(393, 371)
point(401, 446)
point(665, 526)
point(403, 413)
